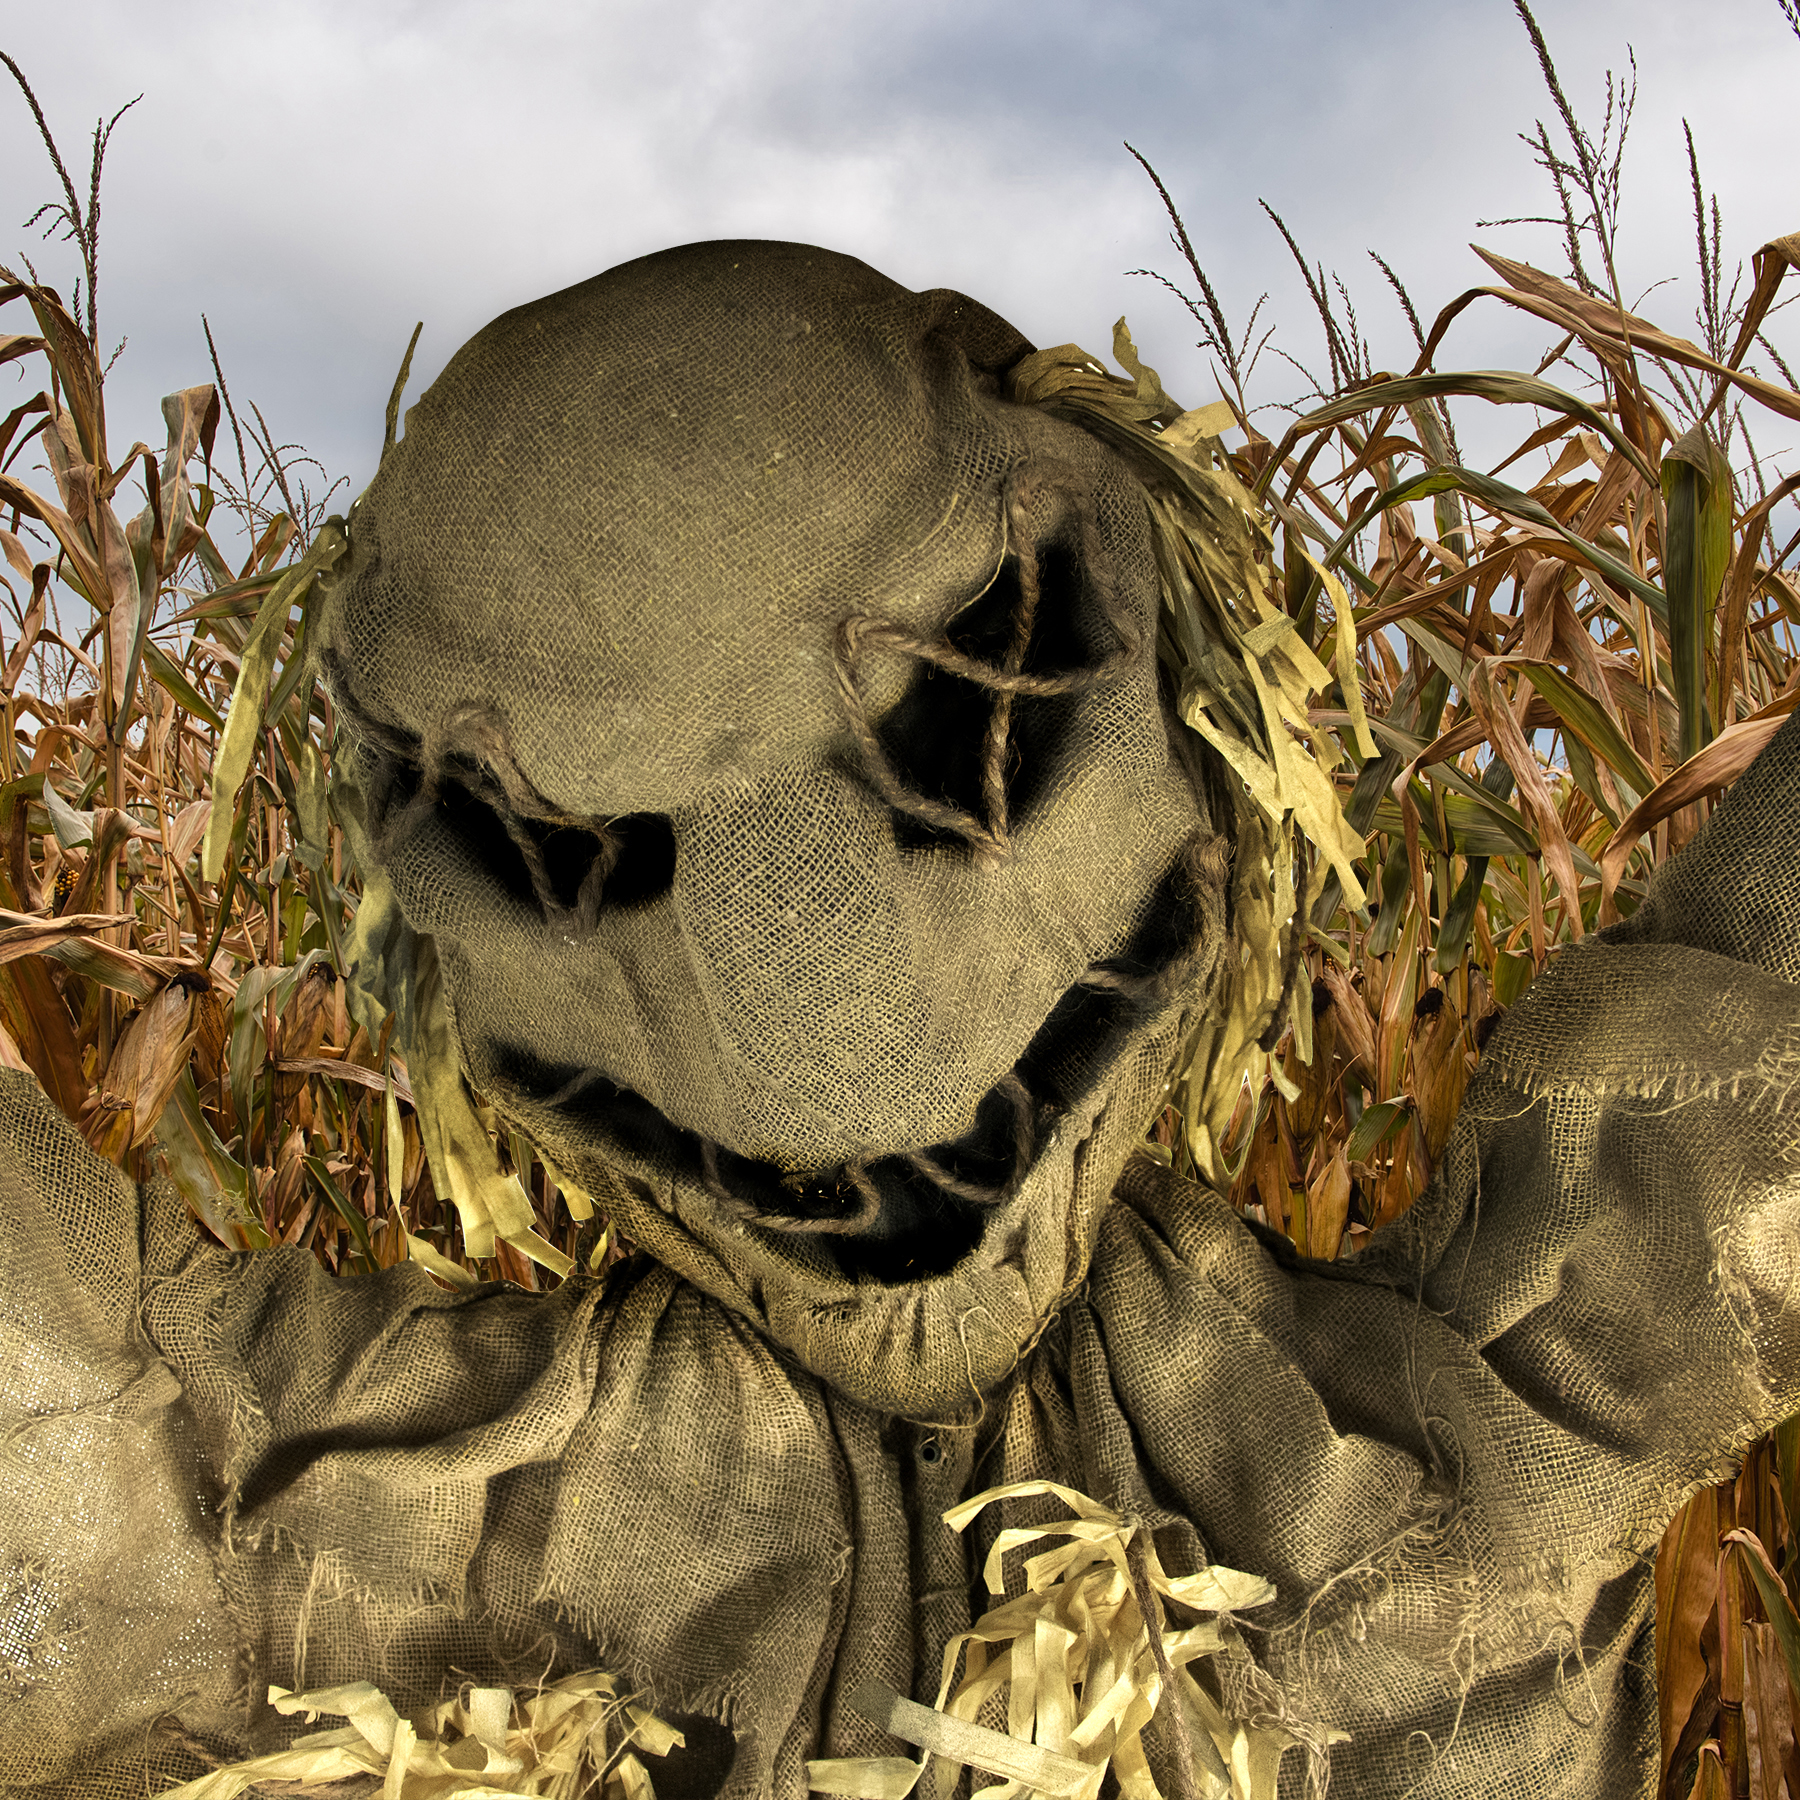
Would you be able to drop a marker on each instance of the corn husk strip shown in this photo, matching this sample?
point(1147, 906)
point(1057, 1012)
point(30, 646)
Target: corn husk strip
point(864, 1777)
point(390, 968)
point(558, 1742)
point(960, 1742)
point(1073, 1658)
point(578, 1200)
point(1211, 547)
point(1222, 1050)
point(1245, 683)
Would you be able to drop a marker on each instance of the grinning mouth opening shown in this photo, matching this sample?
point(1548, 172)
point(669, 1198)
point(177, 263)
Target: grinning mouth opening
point(910, 1215)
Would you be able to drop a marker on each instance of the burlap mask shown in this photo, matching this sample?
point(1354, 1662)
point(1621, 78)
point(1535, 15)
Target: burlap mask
point(759, 712)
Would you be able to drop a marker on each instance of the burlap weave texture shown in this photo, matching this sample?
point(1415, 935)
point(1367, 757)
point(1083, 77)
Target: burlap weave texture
point(1451, 1456)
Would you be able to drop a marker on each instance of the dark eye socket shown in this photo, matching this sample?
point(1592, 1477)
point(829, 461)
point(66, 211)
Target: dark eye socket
point(637, 850)
point(934, 737)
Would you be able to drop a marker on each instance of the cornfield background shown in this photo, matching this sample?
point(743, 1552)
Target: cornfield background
point(1633, 602)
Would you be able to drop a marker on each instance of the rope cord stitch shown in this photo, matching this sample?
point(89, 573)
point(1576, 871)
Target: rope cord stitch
point(858, 633)
point(471, 747)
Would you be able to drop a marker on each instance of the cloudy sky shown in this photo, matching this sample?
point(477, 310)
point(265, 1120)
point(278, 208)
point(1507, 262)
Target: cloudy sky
point(316, 175)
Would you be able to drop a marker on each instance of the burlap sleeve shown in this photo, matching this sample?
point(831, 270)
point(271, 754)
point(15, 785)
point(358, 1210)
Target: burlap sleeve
point(111, 1619)
point(223, 1471)
point(1454, 1456)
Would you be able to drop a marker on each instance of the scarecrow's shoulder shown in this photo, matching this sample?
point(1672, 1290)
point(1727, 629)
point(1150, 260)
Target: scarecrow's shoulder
point(1735, 889)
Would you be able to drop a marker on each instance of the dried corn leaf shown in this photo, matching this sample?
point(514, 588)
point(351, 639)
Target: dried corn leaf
point(1711, 1779)
point(1768, 1715)
point(1439, 1075)
point(1754, 1560)
point(1496, 714)
point(1687, 1584)
point(1353, 1029)
point(29, 627)
point(1741, 587)
point(1500, 387)
point(303, 1022)
point(1328, 1207)
point(1602, 327)
point(1718, 765)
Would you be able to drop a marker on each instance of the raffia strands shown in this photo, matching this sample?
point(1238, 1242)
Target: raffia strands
point(1081, 1670)
point(579, 1736)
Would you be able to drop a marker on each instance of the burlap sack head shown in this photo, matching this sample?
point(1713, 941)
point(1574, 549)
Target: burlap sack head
point(760, 713)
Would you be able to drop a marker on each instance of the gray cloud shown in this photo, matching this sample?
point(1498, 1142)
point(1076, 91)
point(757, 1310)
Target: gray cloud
point(317, 175)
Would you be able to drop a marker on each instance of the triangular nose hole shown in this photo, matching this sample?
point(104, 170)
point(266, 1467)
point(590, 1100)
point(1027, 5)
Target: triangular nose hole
point(642, 851)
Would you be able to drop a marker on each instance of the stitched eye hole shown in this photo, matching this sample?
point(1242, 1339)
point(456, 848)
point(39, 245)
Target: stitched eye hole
point(636, 852)
point(633, 857)
point(935, 735)
point(561, 867)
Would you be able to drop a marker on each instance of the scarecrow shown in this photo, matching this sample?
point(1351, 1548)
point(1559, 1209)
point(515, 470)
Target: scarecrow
point(827, 773)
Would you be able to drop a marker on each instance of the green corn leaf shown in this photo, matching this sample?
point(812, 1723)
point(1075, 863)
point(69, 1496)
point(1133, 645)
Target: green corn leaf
point(1512, 976)
point(139, 978)
point(1487, 827)
point(292, 671)
point(311, 801)
point(237, 744)
point(1696, 484)
point(209, 1178)
point(395, 1139)
point(351, 1215)
point(1501, 498)
point(1501, 387)
point(1396, 882)
point(1585, 774)
point(73, 829)
point(166, 673)
point(1459, 916)
point(1585, 718)
point(247, 1034)
point(1374, 1128)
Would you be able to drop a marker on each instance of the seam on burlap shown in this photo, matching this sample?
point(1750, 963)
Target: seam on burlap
point(1775, 1077)
point(154, 1387)
point(1767, 1070)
